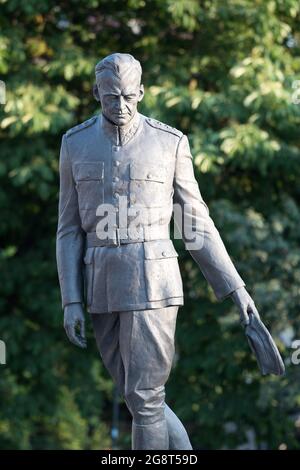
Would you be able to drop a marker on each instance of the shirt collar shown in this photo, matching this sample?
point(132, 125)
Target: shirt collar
point(120, 135)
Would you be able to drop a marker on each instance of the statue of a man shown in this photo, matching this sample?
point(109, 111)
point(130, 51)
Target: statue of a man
point(121, 174)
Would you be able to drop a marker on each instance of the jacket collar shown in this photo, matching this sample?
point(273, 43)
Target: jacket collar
point(120, 135)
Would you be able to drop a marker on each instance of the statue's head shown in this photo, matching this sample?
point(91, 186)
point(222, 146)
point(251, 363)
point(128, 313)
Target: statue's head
point(118, 87)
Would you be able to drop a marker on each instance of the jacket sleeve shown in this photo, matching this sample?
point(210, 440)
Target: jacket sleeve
point(197, 229)
point(70, 237)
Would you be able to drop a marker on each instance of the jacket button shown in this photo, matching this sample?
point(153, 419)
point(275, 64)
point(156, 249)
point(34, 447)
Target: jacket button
point(117, 163)
point(149, 175)
point(115, 178)
point(164, 253)
point(116, 195)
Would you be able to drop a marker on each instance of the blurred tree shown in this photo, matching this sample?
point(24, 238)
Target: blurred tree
point(224, 74)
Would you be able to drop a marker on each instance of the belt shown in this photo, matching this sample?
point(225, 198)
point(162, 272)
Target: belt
point(121, 236)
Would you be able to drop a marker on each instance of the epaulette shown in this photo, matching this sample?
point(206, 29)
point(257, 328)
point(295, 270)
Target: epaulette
point(164, 127)
point(81, 126)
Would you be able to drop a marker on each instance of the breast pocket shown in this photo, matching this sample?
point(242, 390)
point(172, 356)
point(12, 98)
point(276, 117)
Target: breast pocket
point(147, 184)
point(162, 273)
point(89, 178)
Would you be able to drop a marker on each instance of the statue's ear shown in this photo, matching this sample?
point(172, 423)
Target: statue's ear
point(142, 92)
point(96, 93)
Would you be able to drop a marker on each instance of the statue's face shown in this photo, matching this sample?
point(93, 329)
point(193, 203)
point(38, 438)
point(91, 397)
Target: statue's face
point(119, 97)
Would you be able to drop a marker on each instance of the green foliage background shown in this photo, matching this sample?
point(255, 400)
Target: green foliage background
point(222, 72)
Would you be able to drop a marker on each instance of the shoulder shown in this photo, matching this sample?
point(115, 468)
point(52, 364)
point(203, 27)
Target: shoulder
point(163, 127)
point(81, 126)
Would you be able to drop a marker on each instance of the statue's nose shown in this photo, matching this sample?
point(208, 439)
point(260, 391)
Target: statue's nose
point(121, 103)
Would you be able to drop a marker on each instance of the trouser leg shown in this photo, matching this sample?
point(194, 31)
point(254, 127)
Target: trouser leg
point(147, 350)
point(137, 349)
point(178, 437)
point(106, 328)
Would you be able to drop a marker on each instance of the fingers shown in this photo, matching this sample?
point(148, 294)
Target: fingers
point(75, 339)
point(82, 332)
point(82, 329)
point(244, 317)
point(252, 308)
point(246, 306)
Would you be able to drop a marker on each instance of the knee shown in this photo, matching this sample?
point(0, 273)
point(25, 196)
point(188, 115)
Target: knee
point(146, 405)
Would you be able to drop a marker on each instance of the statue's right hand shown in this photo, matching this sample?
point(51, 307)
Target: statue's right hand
point(73, 316)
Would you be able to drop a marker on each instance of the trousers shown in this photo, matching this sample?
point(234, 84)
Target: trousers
point(137, 349)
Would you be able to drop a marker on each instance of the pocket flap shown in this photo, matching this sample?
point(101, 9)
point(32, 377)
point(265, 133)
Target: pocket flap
point(148, 172)
point(159, 249)
point(89, 171)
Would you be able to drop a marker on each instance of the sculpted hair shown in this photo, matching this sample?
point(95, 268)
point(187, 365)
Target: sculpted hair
point(119, 64)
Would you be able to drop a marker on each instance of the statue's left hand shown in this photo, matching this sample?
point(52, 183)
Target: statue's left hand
point(245, 304)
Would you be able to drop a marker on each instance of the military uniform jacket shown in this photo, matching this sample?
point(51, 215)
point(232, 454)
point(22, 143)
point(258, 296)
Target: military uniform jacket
point(147, 164)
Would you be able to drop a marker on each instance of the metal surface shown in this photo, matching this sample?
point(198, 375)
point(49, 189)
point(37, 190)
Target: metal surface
point(121, 161)
point(137, 348)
